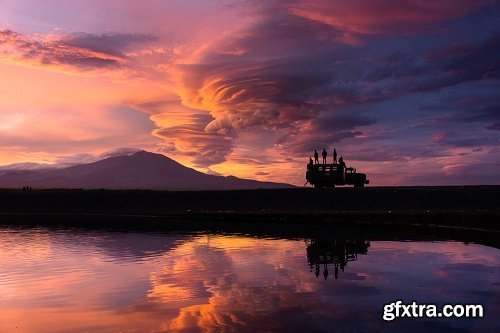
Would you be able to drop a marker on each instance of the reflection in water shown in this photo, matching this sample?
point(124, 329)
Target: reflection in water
point(75, 281)
point(334, 252)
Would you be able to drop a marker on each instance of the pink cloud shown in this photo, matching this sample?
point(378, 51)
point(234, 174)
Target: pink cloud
point(52, 51)
point(80, 52)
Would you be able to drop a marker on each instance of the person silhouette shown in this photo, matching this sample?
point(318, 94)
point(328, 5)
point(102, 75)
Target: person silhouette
point(341, 161)
point(324, 154)
point(310, 161)
point(334, 156)
point(316, 157)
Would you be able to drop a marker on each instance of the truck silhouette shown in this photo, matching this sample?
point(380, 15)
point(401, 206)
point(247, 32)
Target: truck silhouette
point(329, 175)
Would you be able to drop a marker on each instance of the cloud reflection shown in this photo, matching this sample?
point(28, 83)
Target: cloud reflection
point(111, 281)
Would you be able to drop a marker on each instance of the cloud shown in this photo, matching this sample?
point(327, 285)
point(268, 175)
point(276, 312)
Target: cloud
point(471, 56)
point(385, 16)
point(330, 83)
point(72, 159)
point(81, 51)
point(183, 132)
point(58, 132)
point(262, 85)
point(461, 174)
point(284, 78)
point(122, 151)
point(81, 158)
point(480, 108)
point(188, 137)
point(233, 86)
point(112, 44)
point(462, 61)
point(329, 129)
point(460, 140)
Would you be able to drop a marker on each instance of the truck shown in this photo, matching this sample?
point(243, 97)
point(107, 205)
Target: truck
point(330, 175)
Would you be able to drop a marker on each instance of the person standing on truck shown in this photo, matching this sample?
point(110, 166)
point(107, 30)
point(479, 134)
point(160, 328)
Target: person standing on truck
point(341, 161)
point(334, 156)
point(324, 153)
point(316, 157)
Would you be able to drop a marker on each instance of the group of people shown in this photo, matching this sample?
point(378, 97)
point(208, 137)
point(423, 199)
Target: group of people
point(27, 189)
point(325, 154)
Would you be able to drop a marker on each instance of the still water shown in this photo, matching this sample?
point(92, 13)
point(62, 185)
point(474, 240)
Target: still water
point(100, 281)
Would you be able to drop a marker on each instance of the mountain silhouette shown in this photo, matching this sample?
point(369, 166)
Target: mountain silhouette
point(142, 170)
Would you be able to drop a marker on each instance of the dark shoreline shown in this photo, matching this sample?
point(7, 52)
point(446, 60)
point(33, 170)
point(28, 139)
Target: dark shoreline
point(465, 213)
point(472, 200)
point(458, 199)
point(290, 226)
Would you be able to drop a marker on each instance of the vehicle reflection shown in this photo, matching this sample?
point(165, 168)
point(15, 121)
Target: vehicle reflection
point(321, 253)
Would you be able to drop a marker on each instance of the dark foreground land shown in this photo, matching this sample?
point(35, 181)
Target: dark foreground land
point(467, 207)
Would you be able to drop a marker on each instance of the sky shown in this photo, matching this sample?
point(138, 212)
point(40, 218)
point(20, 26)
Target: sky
point(406, 91)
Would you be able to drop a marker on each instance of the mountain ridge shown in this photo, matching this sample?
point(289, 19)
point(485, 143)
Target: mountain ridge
point(141, 170)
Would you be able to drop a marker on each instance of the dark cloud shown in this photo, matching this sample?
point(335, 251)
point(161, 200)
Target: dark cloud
point(494, 126)
point(284, 74)
point(341, 120)
point(488, 115)
point(313, 79)
point(465, 174)
point(385, 16)
point(457, 139)
point(324, 131)
point(462, 61)
point(474, 59)
point(383, 153)
point(306, 144)
point(278, 78)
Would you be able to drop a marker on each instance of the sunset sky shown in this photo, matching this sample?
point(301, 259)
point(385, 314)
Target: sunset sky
point(407, 91)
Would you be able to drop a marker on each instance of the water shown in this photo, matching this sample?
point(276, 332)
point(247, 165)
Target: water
point(99, 281)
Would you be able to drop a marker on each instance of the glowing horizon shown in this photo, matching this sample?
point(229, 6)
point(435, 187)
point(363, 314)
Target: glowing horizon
point(406, 92)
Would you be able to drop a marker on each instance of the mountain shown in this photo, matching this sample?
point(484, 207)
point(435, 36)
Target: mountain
point(142, 170)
